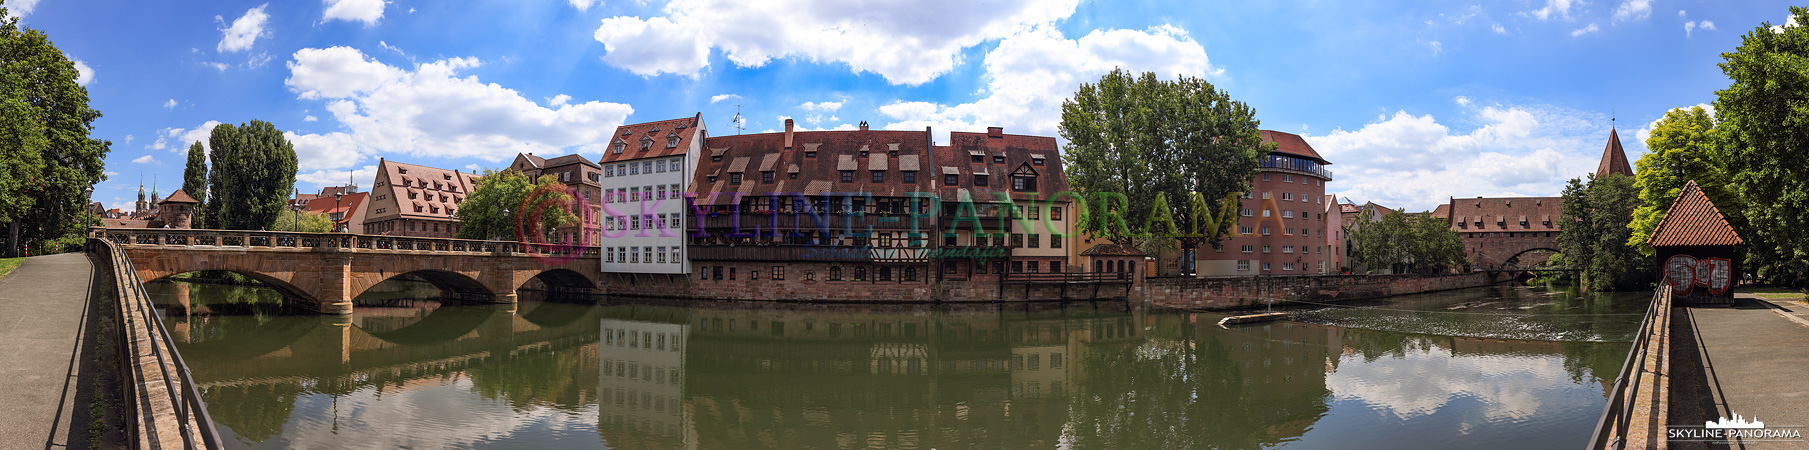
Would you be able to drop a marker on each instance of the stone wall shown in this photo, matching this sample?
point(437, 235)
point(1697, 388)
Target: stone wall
point(1249, 292)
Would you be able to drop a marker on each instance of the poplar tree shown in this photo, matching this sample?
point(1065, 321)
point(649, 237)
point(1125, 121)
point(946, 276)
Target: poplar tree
point(194, 180)
point(252, 177)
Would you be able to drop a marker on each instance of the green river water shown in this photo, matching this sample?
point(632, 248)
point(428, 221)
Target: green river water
point(1475, 369)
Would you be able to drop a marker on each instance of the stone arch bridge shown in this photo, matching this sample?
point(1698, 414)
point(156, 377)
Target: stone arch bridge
point(325, 271)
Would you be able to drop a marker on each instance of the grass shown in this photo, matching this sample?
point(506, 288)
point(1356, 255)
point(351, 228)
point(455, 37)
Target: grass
point(8, 264)
point(1774, 293)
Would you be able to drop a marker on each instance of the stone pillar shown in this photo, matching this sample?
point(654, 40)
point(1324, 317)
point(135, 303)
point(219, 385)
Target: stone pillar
point(335, 293)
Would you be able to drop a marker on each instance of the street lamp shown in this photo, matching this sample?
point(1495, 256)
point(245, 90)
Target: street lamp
point(336, 196)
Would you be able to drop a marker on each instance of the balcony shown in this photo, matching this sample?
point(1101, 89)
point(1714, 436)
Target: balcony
point(1296, 164)
point(807, 253)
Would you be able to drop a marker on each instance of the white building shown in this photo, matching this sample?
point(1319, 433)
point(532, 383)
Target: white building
point(641, 396)
point(646, 171)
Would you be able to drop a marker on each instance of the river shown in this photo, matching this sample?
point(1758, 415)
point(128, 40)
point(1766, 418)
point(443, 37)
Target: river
point(1484, 368)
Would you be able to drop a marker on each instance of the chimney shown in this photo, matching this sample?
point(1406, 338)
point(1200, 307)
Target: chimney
point(995, 132)
point(788, 134)
point(863, 125)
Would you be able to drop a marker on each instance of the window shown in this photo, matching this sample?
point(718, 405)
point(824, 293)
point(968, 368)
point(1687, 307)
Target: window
point(1265, 249)
point(1037, 162)
point(1017, 267)
point(732, 273)
point(835, 273)
point(1265, 212)
point(1246, 212)
point(619, 147)
point(1265, 266)
point(951, 179)
point(885, 273)
point(910, 176)
point(1055, 241)
point(662, 252)
point(847, 176)
point(979, 180)
point(1288, 214)
point(1249, 248)
point(634, 169)
point(1288, 196)
point(1245, 230)
point(998, 159)
point(1035, 212)
point(766, 177)
point(977, 159)
point(672, 142)
point(1033, 267)
point(675, 223)
point(609, 254)
point(1287, 178)
point(634, 254)
point(1036, 241)
point(1055, 267)
point(948, 267)
point(1287, 249)
point(1017, 240)
point(860, 273)
point(1055, 213)
point(1287, 266)
point(778, 272)
point(646, 143)
point(879, 176)
point(659, 166)
point(634, 222)
point(1022, 183)
point(1265, 196)
point(910, 274)
point(948, 240)
point(675, 253)
point(735, 178)
point(810, 153)
point(716, 273)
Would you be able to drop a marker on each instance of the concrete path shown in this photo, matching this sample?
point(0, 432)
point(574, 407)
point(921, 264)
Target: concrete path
point(1755, 360)
point(44, 307)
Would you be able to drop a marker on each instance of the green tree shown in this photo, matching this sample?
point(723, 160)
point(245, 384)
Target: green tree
point(1150, 139)
point(1761, 117)
point(304, 221)
point(500, 199)
point(253, 174)
point(194, 180)
point(1410, 243)
point(1683, 147)
point(1593, 231)
point(1381, 244)
point(48, 161)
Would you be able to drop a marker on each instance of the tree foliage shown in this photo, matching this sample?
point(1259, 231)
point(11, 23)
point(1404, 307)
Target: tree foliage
point(304, 221)
point(1155, 140)
point(501, 199)
point(1420, 243)
point(1762, 117)
point(48, 161)
point(1683, 147)
point(1593, 232)
point(253, 174)
point(194, 179)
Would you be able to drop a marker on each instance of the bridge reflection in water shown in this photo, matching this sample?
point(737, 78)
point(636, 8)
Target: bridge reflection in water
point(411, 370)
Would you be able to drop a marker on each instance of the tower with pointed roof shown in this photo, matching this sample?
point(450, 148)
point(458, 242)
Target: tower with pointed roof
point(1614, 158)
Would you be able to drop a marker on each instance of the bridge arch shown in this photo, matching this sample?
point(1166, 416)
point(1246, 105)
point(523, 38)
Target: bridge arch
point(560, 280)
point(292, 294)
point(1516, 256)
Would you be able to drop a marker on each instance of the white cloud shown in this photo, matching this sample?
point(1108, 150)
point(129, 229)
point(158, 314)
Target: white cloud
point(324, 151)
point(1559, 8)
point(310, 118)
point(431, 111)
point(217, 66)
point(110, 174)
point(146, 159)
point(1585, 30)
point(1437, 47)
point(1633, 10)
point(1788, 22)
point(906, 42)
point(21, 8)
point(129, 139)
point(83, 73)
point(558, 100)
point(1029, 74)
point(821, 106)
point(1703, 25)
point(171, 104)
point(1499, 29)
point(367, 11)
point(474, 168)
point(1680, 13)
point(721, 97)
point(244, 31)
point(584, 5)
point(1418, 163)
point(178, 139)
point(320, 178)
point(1461, 100)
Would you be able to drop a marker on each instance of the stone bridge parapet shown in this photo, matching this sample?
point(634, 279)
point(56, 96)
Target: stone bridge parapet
point(325, 271)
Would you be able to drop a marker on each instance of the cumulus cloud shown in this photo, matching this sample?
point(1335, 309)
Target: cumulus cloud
point(1788, 22)
point(21, 8)
point(363, 176)
point(1689, 27)
point(310, 118)
point(1645, 133)
point(721, 97)
point(821, 106)
point(1633, 10)
point(244, 31)
point(171, 104)
point(906, 42)
point(1499, 29)
point(367, 11)
point(433, 111)
point(1585, 30)
point(1029, 74)
point(584, 5)
point(1553, 8)
point(178, 139)
point(146, 159)
point(1417, 162)
point(83, 73)
point(1437, 47)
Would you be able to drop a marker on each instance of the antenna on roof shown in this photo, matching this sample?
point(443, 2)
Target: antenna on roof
point(738, 122)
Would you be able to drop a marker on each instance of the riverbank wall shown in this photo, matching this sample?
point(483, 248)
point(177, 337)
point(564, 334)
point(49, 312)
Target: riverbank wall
point(1252, 292)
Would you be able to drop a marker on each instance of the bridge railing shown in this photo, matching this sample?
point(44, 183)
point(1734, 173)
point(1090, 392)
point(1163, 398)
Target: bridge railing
point(349, 241)
point(1635, 416)
point(158, 381)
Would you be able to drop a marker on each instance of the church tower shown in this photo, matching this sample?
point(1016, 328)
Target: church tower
point(140, 205)
point(1614, 159)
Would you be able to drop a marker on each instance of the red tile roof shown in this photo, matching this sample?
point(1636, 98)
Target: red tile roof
point(1506, 213)
point(1291, 144)
point(1614, 159)
point(1442, 211)
point(834, 152)
point(630, 137)
point(179, 197)
point(1020, 152)
point(1693, 220)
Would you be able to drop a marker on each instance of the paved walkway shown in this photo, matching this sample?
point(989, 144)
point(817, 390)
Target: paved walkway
point(43, 307)
point(1755, 360)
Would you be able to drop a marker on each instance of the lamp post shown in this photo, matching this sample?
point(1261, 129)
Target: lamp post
point(336, 197)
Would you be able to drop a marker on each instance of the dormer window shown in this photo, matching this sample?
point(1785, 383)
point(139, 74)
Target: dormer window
point(1036, 161)
point(672, 141)
point(646, 144)
point(977, 159)
point(998, 159)
point(620, 146)
point(1025, 183)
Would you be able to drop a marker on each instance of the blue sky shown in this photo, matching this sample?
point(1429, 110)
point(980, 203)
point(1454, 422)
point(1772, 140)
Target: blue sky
point(1413, 102)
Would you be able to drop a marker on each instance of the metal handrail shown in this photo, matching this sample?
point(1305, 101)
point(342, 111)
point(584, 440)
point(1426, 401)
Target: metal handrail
point(187, 400)
point(1615, 418)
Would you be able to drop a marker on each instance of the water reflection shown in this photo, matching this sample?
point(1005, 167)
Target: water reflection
point(419, 371)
